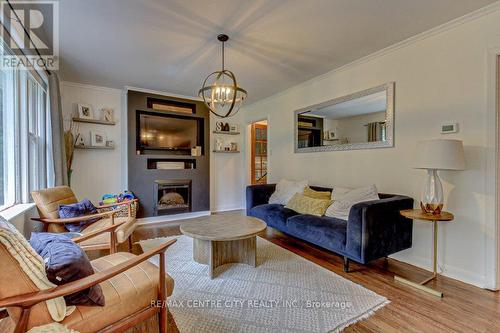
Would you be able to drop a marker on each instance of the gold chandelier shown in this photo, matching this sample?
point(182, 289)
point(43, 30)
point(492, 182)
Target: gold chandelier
point(220, 92)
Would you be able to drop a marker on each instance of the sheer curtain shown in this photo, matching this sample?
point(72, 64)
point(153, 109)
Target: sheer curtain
point(60, 176)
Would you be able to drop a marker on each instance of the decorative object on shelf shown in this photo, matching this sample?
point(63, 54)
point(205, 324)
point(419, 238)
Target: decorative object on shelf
point(233, 128)
point(417, 214)
point(220, 91)
point(196, 151)
point(85, 111)
point(234, 146)
point(98, 139)
point(108, 114)
point(219, 144)
point(69, 147)
point(218, 126)
point(110, 143)
point(329, 135)
point(79, 141)
point(434, 155)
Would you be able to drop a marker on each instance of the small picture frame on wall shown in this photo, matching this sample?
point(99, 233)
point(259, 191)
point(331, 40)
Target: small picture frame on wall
point(108, 115)
point(85, 111)
point(98, 138)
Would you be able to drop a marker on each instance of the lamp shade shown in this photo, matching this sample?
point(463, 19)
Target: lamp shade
point(440, 154)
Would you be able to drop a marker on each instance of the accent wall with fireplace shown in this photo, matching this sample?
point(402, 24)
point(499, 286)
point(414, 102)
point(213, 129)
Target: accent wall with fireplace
point(162, 172)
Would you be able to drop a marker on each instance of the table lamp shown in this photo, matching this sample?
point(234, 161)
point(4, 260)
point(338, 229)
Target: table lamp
point(434, 155)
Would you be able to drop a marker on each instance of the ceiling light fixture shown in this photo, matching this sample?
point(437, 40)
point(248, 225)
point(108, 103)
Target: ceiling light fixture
point(220, 92)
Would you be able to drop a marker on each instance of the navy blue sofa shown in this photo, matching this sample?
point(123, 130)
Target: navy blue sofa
point(375, 229)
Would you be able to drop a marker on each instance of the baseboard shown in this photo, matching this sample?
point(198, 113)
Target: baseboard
point(227, 209)
point(171, 218)
point(453, 272)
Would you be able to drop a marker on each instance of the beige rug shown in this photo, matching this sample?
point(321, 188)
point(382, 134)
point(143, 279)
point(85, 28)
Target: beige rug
point(284, 293)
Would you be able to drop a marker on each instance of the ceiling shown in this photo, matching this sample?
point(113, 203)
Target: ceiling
point(170, 45)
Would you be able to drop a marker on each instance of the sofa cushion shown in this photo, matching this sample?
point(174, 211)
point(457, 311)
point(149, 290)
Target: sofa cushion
point(324, 231)
point(275, 215)
point(309, 192)
point(307, 205)
point(341, 206)
point(285, 189)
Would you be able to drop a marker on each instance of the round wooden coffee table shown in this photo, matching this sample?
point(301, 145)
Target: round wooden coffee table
point(222, 239)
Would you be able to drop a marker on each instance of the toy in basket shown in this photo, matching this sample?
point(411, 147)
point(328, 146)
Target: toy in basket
point(123, 210)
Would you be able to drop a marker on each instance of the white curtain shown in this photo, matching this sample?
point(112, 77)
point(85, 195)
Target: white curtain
point(57, 132)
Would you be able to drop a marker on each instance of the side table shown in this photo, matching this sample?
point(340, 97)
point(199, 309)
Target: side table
point(417, 214)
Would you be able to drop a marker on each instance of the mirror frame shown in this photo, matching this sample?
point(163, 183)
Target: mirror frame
point(389, 121)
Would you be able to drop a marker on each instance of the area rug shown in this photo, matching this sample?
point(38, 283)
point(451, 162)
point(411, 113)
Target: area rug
point(284, 293)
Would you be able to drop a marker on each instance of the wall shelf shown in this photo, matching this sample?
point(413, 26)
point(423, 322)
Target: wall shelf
point(226, 132)
point(93, 147)
point(226, 151)
point(94, 121)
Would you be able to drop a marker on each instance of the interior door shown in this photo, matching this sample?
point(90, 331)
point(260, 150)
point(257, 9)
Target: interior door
point(258, 160)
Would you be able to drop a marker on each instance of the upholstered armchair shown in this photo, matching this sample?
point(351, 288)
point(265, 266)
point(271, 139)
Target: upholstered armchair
point(48, 200)
point(135, 290)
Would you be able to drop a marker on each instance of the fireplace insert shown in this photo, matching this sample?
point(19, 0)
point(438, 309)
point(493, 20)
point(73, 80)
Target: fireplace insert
point(172, 196)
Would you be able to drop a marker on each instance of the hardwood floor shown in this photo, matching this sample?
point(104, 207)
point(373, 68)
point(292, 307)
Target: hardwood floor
point(464, 308)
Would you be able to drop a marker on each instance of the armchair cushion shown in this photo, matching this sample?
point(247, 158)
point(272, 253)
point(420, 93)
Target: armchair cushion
point(125, 294)
point(82, 208)
point(65, 262)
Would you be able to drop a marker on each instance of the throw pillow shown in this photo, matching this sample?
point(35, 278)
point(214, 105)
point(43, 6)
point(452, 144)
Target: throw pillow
point(306, 205)
point(285, 190)
point(340, 208)
point(309, 192)
point(82, 208)
point(65, 262)
point(339, 192)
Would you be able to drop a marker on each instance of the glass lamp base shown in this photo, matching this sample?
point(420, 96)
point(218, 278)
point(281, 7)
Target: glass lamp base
point(432, 196)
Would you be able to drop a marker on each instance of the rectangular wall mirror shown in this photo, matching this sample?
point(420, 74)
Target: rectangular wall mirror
point(363, 120)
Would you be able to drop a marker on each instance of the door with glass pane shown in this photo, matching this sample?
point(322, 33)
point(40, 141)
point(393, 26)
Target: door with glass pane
point(259, 153)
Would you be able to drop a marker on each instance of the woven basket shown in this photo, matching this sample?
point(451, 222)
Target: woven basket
point(122, 210)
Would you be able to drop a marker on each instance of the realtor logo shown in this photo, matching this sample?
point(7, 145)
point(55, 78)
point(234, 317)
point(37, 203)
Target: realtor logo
point(32, 33)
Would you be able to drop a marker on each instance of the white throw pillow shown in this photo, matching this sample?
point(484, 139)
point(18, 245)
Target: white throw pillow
point(341, 207)
point(285, 189)
point(339, 192)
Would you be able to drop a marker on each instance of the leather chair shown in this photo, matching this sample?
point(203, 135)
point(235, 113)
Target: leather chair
point(48, 200)
point(132, 287)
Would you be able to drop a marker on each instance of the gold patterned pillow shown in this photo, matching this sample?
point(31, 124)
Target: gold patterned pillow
point(305, 205)
point(309, 192)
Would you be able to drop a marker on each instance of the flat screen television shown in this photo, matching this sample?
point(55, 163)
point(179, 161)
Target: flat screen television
point(167, 132)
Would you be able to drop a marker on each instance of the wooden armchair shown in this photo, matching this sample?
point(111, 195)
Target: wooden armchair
point(135, 290)
point(48, 200)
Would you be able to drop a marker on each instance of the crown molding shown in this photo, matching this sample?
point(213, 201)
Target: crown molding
point(164, 93)
point(481, 12)
point(90, 86)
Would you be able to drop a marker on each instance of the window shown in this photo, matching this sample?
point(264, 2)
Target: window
point(24, 130)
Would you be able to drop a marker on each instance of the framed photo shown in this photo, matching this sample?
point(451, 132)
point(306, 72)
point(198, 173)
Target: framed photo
point(97, 138)
point(85, 111)
point(108, 114)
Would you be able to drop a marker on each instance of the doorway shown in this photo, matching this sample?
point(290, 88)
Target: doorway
point(258, 155)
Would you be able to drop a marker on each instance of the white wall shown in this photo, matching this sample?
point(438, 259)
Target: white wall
point(227, 170)
point(95, 172)
point(440, 77)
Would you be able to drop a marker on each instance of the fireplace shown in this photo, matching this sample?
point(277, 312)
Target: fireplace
point(172, 196)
